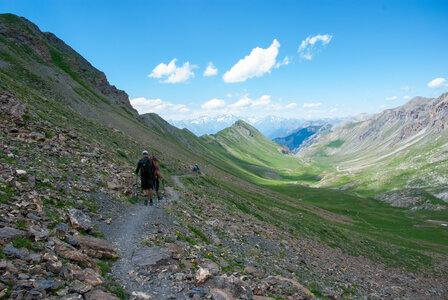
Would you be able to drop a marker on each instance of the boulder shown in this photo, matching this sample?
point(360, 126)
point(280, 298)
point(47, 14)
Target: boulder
point(202, 275)
point(99, 294)
point(11, 251)
point(96, 248)
point(8, 233)
point(45, 285)
point(37, 136)
point(72, 297)
point(146, 257)
point(253, 271)
point(67, 251)
point(79, 220)
point(113, 185)
point(38, 233)
point(239, 289)
point(220, 294)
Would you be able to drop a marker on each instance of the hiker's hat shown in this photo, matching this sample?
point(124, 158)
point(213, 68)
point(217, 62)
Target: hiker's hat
point(154, 158)
point(145, 152)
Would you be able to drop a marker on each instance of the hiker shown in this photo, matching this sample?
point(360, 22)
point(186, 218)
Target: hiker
point(157, 177)
point(196, 169)
point(146, 169)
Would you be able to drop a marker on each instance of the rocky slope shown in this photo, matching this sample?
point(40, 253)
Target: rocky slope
point(412, 138)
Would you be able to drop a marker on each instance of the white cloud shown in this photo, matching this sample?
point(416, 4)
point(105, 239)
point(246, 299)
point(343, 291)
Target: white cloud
point(437, 83)
point(286, 61)
point(383, 106)
point(172, 73)
point(391, 98)
point(405, 88)
point(243, 102)
point(312, 104)
point(259, 62)
point(143, 105)
point(213, 104)
point(211, 70)
point(308, 46)
point(291, 105)
point(406, 97)
point(264, 100)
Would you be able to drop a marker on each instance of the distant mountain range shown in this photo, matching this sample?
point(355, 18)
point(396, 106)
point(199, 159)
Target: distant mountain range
point(270, 126)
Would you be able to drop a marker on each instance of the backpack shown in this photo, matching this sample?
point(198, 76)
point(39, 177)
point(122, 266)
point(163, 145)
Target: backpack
point(147, 168)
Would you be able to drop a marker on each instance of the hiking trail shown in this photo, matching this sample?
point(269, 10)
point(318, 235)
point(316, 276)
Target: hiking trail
point(129, 233)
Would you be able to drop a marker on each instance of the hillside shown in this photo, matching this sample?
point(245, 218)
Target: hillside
point(71, 227)
point(295, 140)
point(405, 147)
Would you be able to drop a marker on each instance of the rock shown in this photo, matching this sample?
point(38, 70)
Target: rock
point(197, 291)
point(141, 295)
point(11, 106)
point(48, 284)
point(79, 220)
point(220, 294)
point(36, 257)
point(72, 297)
point(53, 266)
point(202, 275)
point(90, 155)
point(8, 233)
point(238, 288)
point(79, 287)
point(38, 233)
point(296, 284)
point(37, 136)
point(145, 257)
point(72, 240)
point(113, 185)
point(98, 294)
point(92, 278)
point(32, 181)
point(61, 229)
point(213, 267)
point(212, 222)
point(11, 251)
point(96, 248)
point(21, 173)
point(253, 271)
point(67, 251)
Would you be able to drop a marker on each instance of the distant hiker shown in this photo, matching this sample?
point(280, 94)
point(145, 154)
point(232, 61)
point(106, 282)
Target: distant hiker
point(196, 169)
point(146, 169)
point(157, 177)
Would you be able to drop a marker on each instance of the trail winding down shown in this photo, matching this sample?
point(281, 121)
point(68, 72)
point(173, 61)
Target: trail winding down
point(128, 232)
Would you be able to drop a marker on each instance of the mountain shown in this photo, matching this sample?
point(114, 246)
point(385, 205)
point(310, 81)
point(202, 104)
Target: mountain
point(206, 124)
point(270, 126)
point(294, 141)
point(402, 147)
point(248, 225)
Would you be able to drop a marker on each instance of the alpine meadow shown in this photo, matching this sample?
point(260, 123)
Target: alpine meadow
point(331, 205)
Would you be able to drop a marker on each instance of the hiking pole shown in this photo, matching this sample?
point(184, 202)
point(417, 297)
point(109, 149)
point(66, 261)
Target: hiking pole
point(136, 186)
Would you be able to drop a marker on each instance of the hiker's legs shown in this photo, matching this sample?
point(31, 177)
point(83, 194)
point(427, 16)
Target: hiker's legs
point(145, 196)
point(150, 195)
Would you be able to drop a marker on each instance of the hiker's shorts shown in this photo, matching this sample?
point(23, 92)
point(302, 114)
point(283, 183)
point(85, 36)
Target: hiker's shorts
point(147, 183)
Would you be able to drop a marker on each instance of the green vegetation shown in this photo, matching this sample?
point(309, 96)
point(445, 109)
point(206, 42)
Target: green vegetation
point(23, 243)
point(335, 144)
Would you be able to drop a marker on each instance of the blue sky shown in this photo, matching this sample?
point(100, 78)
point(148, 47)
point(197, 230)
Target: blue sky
point(357, 56)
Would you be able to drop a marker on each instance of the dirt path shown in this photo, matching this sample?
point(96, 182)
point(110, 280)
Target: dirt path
point(136, 224)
